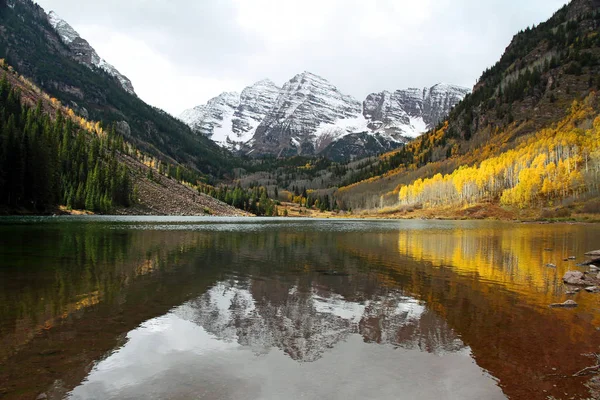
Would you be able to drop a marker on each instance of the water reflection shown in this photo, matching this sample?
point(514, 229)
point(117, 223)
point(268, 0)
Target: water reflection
point(305, 324)
point(178, 307)
point(233, 343)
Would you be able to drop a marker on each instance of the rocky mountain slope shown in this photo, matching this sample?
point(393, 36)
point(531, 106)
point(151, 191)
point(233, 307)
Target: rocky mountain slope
point(49, 57)
point(165, 196)
point(310, 116)
point(83, 52)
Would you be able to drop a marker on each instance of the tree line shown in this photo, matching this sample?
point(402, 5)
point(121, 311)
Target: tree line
point(255, 200)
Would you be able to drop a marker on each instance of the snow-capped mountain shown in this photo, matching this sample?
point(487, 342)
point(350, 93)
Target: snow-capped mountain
point(309, 115)
point(304, 116)
point(83, 52)
point(231, 118)
point(412, 111)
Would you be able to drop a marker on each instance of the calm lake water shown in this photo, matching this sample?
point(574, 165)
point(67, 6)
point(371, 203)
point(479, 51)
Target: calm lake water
point(205, 308)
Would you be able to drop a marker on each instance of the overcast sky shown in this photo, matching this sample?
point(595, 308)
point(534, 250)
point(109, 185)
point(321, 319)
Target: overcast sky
point(180, 53)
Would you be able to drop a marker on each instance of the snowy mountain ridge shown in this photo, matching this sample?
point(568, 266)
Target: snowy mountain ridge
point(308, 114)
point(83, 52)
point(231, 118)
point(411, 112)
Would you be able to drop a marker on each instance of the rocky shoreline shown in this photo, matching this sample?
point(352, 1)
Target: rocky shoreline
point(575, 281)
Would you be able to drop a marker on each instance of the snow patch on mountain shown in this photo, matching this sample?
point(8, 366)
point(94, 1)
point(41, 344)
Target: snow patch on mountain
point(222, 130)
point(214, 119)
point(327, 133)
point(416, 127)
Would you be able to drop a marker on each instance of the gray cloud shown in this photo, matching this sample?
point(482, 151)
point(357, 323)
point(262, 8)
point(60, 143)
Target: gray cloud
point(203, 47)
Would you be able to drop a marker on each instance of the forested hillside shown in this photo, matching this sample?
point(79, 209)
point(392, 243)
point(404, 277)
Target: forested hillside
point(527, 136)
point(46, 162)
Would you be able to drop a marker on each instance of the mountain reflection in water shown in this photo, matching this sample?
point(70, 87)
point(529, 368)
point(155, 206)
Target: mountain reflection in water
point(237, 342)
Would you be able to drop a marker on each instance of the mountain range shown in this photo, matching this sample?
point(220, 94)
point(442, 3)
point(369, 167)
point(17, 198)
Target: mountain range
point(310, 116)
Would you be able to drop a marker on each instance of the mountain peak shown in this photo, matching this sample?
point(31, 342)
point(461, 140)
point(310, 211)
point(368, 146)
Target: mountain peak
point(66, 31)
point(231, 118)
point(227, 95)
point(309, 76)
point(449, 86)
point(264, 82)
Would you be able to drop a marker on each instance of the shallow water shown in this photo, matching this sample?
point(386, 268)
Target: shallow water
point(178, 308)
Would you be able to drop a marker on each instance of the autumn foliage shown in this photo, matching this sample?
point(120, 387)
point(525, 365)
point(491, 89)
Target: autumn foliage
point(553, 164)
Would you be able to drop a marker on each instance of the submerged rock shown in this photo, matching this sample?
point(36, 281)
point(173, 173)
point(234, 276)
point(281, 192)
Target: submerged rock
point(566, 304)
point(550, 265)
point(592, 289)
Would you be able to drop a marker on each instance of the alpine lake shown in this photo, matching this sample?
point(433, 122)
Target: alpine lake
point(98, 307)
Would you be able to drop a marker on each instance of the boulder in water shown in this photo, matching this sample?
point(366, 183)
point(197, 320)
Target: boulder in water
point(576, 278)
point(566, 304)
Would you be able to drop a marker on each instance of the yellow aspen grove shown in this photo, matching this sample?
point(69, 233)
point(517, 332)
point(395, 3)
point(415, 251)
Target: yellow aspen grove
point(554, 163)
